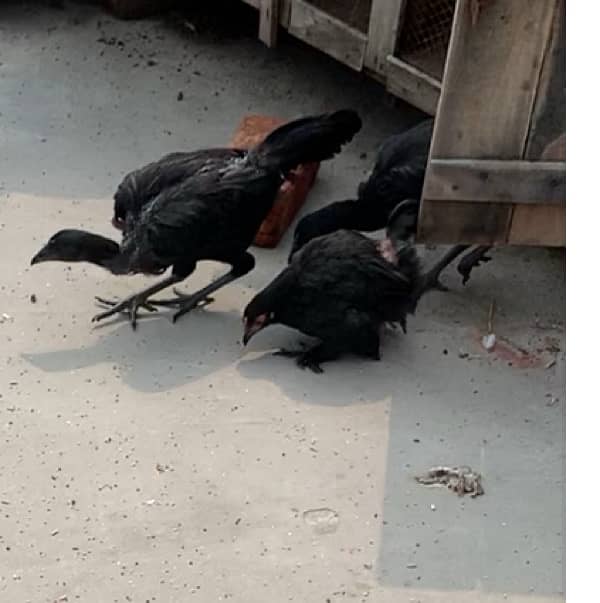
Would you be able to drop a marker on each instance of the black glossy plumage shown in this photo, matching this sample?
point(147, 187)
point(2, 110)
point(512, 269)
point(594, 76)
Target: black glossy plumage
point(340, 289)
point(284, 145)
point(399, 169)
point(398, 174)
point(142, 185)
point(213, 214)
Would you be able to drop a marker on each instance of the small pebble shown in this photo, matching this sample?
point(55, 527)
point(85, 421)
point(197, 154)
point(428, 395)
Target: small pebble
point(489, 341)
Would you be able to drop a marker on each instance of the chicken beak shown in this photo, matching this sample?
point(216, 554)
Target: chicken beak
point(41, 256)
point(250, 330)
point(118, 223)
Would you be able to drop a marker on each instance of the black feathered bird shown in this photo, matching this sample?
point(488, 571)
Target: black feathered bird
point(342, 287)
point(398, 174)
point(211, 215)
point(141, 186)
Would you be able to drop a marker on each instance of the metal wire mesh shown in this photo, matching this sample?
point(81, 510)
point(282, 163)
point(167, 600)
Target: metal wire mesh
point(427, 26)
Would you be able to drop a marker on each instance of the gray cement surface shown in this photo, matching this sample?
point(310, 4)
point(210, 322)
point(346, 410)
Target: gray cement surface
point(171, 464)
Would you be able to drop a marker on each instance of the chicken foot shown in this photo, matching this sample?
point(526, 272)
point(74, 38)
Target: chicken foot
point(240, 266)
point(185, 302)
point(304, 358)
point(130, 305)
point(312, 357)
point(471, 260)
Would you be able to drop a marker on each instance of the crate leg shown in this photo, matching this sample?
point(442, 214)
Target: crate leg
point(269, 22)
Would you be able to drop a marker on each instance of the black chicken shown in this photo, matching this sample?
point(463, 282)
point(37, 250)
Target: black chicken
point(399, 173)
point(141, 186)
point(211, 215)
point(342, 287)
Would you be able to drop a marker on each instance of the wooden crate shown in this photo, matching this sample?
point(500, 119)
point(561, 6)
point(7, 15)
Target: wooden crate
point(292, 194)
point(369, 36)
point(415, 69)
point(497, 170)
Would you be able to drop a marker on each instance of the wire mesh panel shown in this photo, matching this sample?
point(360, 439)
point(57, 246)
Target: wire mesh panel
point(425, 34)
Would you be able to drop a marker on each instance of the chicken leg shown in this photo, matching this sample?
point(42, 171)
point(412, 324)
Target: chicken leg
point(240, 266)
point(431, 277)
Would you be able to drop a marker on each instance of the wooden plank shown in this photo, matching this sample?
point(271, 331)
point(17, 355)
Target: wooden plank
point(556, 150)
point(285, 12)
point(383, 30)
point(547, 140)
point(285, 9)
point(328, 34)
point(485, 106)
point(538, 225)
point(491, 79)
point(492, 180)
point(413, 85)
point(529, 224)
point(548, 120)
point(458, 225)
point(269, 22)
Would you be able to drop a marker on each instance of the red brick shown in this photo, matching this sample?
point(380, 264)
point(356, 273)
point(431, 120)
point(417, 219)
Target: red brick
point(293, 192)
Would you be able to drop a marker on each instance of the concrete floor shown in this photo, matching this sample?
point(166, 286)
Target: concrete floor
point(170, 464)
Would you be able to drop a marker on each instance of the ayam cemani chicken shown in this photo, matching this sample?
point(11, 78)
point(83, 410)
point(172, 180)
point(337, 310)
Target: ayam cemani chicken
point(399, 173)
point(207, 214)
point(142, 185)
point(342, 288)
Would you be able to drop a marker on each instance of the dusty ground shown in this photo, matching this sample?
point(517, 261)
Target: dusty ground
point(172, 465)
